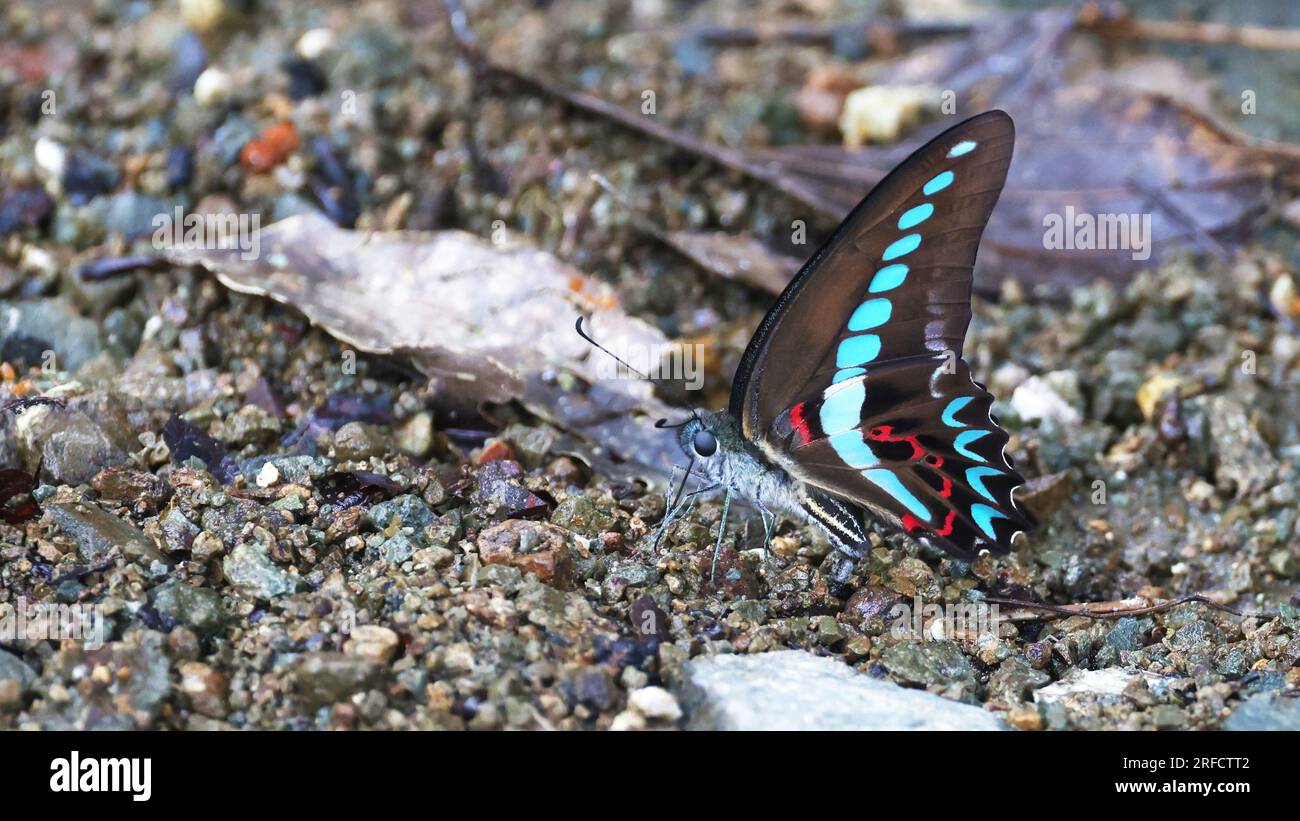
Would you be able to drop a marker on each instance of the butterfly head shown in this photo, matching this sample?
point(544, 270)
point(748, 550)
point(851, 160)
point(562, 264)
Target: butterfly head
point(709, 439)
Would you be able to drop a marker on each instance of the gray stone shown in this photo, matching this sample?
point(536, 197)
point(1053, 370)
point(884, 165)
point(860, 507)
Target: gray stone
point(531, 445)
point(321, 679)
point(97, 532)
point(14, 668)
point(1243, 461)
point(582, 515)
point(928, 663)
point(137, 698)
point(49, 324)
point(1266, 711)
point(357, 441)
point(129, 213)
point(229, 139)
point(410, 511)
point(253, 572)
point(298, 470)
point(73, 454)
point(1125, 635)
point(795, 690)
point(1015, 681)
point(76, 442)
point(366, 56)
point(198, 608)
point(397, 549)
point(228, 521)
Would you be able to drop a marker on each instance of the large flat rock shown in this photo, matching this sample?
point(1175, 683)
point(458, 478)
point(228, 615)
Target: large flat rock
point(795, 690)
point(1265, 711)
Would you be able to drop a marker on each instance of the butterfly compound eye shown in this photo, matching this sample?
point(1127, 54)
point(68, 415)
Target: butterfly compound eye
point(705, 443)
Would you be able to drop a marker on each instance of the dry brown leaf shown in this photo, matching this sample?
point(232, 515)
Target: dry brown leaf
point(738, 257)
point(1096, 148)
point(485, 323)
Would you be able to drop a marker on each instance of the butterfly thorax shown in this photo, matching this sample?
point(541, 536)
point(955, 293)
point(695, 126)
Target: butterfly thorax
point(741, 467)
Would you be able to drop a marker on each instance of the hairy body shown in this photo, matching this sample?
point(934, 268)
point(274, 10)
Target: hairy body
point(734, 466)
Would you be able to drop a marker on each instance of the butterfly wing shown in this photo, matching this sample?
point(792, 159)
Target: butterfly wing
point(854, 381)
point(915, 441)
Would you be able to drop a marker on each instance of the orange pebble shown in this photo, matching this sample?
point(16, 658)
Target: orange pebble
point(272, 148)
point(495, 451)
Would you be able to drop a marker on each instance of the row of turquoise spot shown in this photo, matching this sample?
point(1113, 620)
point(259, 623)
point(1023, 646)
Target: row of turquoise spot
point(842, 408)
point(859, 350)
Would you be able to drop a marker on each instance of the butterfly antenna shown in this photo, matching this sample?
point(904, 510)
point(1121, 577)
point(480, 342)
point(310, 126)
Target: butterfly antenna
point(578, 327)
point(663, 424)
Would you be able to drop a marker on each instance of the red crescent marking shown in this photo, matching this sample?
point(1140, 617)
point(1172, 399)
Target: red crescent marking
point(800, 424)
point(885, 433)
point(947, 524)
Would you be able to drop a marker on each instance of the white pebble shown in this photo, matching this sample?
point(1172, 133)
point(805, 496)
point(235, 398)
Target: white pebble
point(627, 720)
point(655, 702)
point(51, 157)
point(37, 260)
point(213, 87)
point(202, 15)
point(1037, 398)
point(880, 114)
point(268, 475)
point(314, 43)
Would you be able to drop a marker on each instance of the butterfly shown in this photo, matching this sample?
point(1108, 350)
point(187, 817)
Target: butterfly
point(852, 396)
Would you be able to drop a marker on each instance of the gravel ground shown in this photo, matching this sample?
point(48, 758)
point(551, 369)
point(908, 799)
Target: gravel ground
point(277, 539)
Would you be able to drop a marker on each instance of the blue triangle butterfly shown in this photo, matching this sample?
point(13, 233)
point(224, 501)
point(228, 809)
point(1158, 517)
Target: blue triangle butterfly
point(852, 395)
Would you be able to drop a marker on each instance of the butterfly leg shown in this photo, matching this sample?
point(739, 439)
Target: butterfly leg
point(722, 531)
point(682, 508)
point(768, 518)
point(670, 511)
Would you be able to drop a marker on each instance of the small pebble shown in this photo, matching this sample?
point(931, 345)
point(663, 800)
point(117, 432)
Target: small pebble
point(268, 475)
point(655, 703)
point(374, 642)
point(203, 15)
point(51, 157)
point(213, 87)
point(314, 43)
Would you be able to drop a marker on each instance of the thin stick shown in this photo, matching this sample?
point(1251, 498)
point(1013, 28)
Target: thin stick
point(1204, 237)
point(824, 35)
point(1191, 31)
point(1088, 610)
point(638, 217)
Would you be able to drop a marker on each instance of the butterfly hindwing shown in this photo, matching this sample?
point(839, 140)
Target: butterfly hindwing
point(928, 457)
point(854, 382)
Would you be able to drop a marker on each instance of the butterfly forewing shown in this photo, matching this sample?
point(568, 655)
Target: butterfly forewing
point(854, 381)
point(903, 258)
